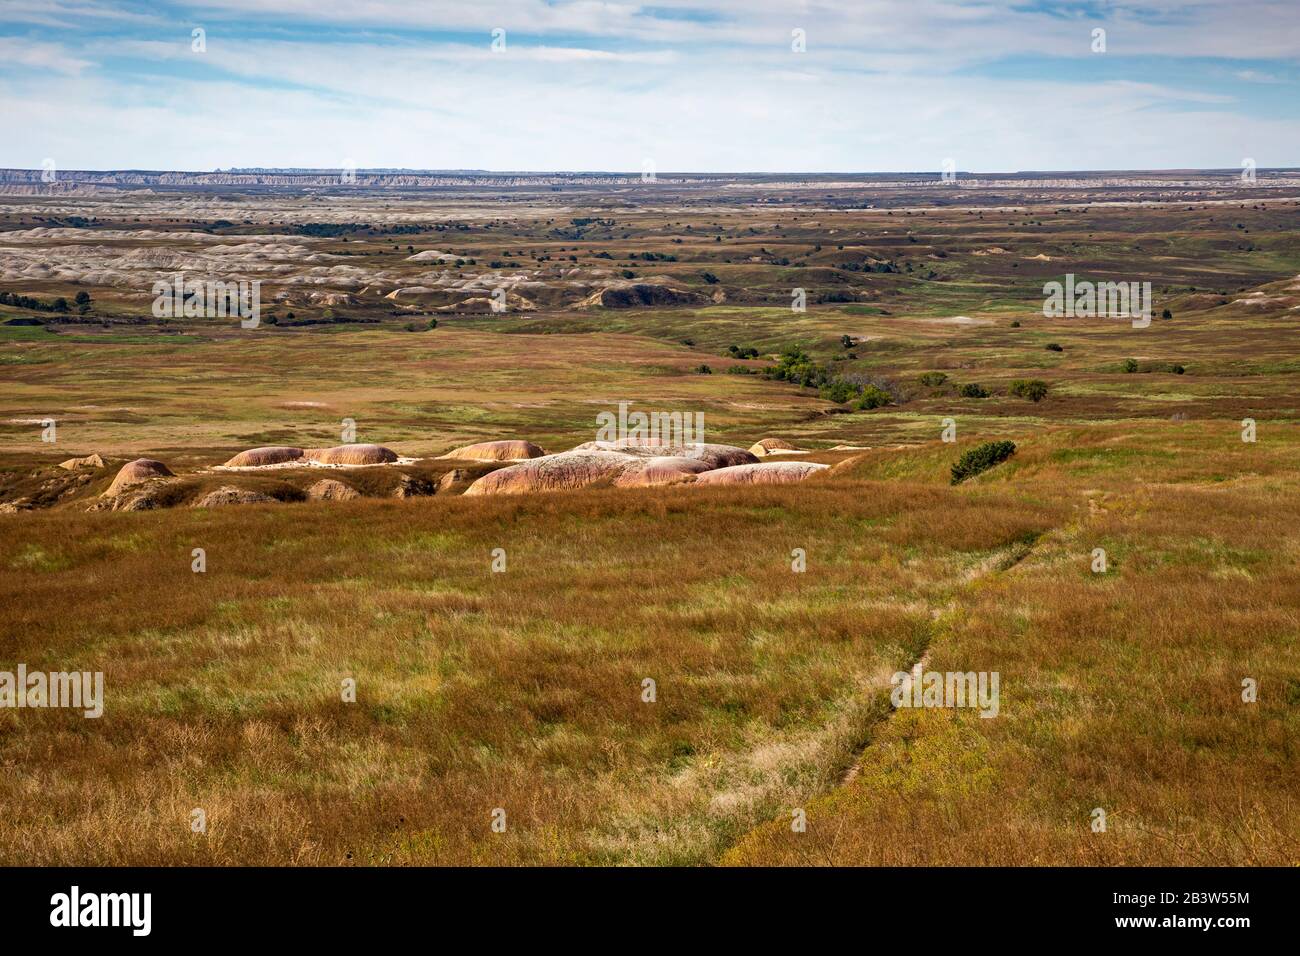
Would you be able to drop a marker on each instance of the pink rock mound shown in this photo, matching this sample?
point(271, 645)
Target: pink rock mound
point(663, 470)
point(567, 470)
point(623, 444)
point(267, 455)
point(352, 455)
point(137, 472)
point(715, 456)
point(497, 451)
point(765, 473)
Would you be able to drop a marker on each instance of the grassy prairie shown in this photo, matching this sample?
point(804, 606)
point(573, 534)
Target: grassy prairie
point(476, 690)
point(524, 690)
point(1120, 691)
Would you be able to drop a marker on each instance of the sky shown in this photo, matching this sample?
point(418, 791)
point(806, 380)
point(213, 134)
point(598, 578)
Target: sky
point(684, 85)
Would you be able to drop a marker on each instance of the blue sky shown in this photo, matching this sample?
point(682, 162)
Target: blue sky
point(693, 85)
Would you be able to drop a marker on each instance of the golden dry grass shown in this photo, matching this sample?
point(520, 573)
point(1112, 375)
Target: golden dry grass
point(477, 690)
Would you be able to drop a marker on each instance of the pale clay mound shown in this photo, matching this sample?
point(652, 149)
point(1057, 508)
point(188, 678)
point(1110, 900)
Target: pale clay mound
point(352, 455)
point(497, 451)
point(765, 473)
point(267, 455)
point(136, 472)
point(228, 495)
point(327, 489)
point(565, 471)
point(715, 456)
point(90, 461)
point(661, 470)
point(774, 446)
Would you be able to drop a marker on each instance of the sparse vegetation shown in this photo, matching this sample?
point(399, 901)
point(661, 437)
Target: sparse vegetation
point(1033, 389)
point(522, 689)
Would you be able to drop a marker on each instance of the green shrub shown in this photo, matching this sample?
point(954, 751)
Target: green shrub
point(1031, 388)
point(1129, 366)
point(932, 379)
point(973, 390)
point(1054, 347)
point(839, 391)
point(981, 458)
point(873, 397)
point(703, 370)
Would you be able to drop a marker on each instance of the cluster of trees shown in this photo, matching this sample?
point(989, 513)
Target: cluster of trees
point(59, 305)
point(1033, 389)
point(882, 267)
point(797, 366)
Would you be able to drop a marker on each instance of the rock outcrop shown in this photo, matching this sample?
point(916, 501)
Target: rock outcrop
point(327, 489)
point(267, 455)
point(90, 461)
point(629, 295)
point(352, 455)
point(513, 450)
point(453, 482)
point(229, 495)
point(135, 473)
point(660, 470)
point(715, 456)
point(772, 446)
point(413, 486)
point(565, 471)
point(764, 473)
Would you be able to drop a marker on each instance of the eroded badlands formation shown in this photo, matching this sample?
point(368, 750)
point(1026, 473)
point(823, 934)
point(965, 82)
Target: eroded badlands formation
point(513, 467)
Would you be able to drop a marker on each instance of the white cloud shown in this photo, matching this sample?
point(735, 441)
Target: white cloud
point(40, 56)
point(881, 88)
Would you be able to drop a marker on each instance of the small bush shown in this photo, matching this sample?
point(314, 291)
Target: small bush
point(1031, 388)
point(1130, 366)
point(1053, 347)
point(973, 390)
point(981, 458)
point(1177, 369)
point(1015, 324)
point(703, 370)
point(932, 379)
